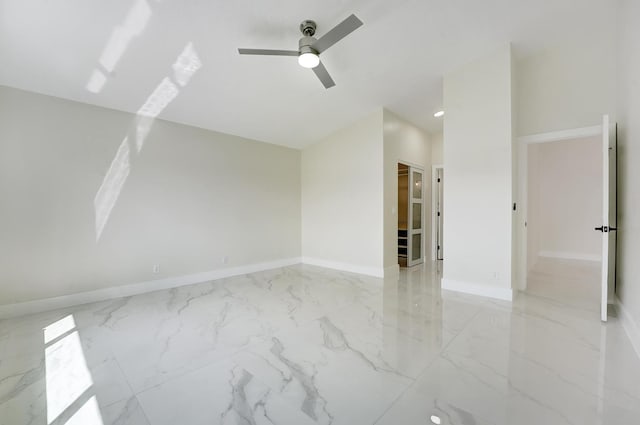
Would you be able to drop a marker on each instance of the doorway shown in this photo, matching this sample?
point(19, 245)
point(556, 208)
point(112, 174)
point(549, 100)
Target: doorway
point(410, 215)
point(564, 198)
point(567, 215)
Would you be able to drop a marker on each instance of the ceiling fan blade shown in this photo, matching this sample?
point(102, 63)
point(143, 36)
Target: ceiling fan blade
point(337, 33)
point(324, 76)
point(268, 52)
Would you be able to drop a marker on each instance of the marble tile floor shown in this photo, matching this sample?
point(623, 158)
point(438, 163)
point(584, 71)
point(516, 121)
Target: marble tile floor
point(305, 345)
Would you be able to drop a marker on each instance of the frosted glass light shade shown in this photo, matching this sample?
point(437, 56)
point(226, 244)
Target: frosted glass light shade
point(308, 60)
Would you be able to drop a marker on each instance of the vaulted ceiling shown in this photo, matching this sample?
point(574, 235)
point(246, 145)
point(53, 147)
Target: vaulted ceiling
point(178, 59)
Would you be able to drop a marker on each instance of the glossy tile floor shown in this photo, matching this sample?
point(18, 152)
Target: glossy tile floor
point(305, 345)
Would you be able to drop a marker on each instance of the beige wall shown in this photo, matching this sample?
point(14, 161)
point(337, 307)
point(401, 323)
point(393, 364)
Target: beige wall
point(186, 200)
point(565, 199)
point(628, 276)
point(342, 198)
point(568, 86)
point(404, 142)
point(478, 176)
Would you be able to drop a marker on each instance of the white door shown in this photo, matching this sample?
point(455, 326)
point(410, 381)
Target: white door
point(608, 227)
point(415, 225)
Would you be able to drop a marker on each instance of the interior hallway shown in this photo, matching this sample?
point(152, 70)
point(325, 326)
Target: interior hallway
point(307, 345)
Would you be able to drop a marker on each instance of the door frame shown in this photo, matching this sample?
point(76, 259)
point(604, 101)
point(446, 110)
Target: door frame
point(420, 168)
point(522, 147)
point(434, 212)
point(410, 219)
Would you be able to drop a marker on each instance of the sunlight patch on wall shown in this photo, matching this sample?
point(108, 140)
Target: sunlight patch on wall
point(161, 97)
point(185, 66)
point(163, 94)
point(111, 186)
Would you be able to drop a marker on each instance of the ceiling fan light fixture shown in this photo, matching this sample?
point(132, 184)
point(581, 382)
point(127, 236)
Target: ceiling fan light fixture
point(310, 48)
point(308, 60)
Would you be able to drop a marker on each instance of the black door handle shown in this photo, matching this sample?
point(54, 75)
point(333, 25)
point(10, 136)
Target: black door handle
point(606, 229)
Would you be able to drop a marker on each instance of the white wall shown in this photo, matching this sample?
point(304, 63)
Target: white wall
point(342, 198)
point(437, 156)
point(404, 142)
point(565, 199)
point(478, 162)
point(570, 85)
point(188, 198)
point(628, 276)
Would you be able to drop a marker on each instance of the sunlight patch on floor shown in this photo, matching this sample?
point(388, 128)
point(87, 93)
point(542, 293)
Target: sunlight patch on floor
point(67, 376)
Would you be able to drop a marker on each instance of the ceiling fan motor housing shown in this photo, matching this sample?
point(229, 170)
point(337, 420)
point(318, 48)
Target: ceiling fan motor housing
point(304, 45)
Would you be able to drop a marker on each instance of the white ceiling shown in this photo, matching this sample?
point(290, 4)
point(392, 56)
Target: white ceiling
point(124, 49)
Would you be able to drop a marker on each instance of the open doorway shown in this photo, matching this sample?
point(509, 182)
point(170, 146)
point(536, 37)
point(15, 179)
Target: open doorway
point(560, 204)
point(565, 190)
point(410, 215)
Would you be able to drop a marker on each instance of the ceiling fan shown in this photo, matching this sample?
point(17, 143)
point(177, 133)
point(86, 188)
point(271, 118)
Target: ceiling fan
point(309, 48)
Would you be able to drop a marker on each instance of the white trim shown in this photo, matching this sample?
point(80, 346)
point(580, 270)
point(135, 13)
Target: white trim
point(570, 255)
point(410, 164)
point(522, 201)
point(411, 232)
point(64, 301)
point(556, 136)
point(472, 288)
point(345, 267)
point(631, 327)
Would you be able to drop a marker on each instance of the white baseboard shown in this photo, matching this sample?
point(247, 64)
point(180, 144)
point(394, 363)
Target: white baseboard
point(631, 327)
point(345, 267)
point(505, 294)
point(570, 255)
point(48, 304)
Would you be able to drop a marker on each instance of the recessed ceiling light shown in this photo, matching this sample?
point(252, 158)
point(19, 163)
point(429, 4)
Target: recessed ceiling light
point(438, 114)
point(435, 419)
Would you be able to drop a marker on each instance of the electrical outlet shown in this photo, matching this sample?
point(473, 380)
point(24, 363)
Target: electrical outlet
point(156, 268)
point(225, 259)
